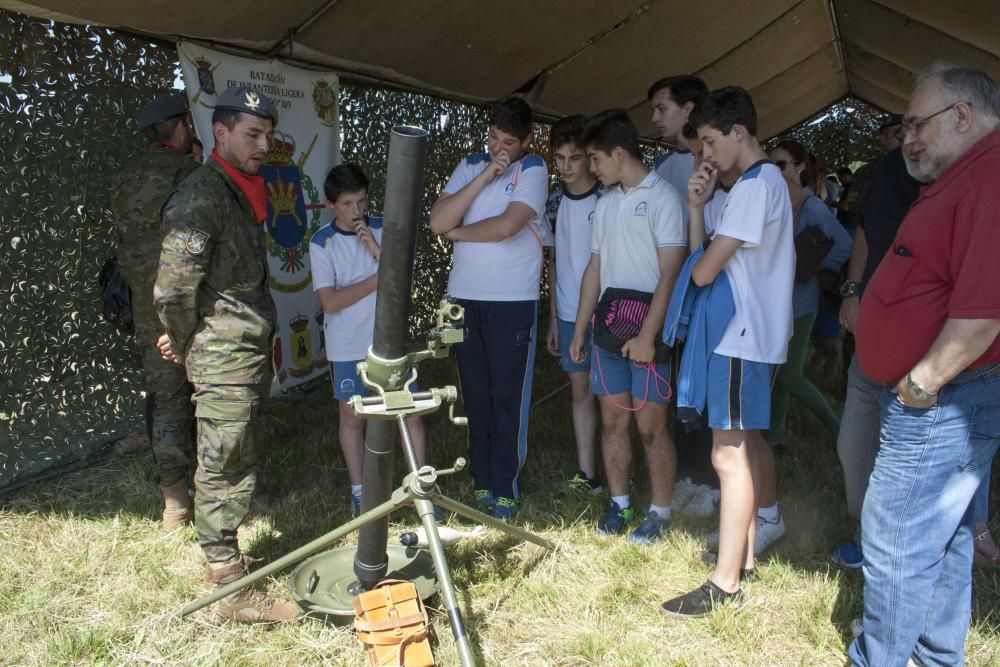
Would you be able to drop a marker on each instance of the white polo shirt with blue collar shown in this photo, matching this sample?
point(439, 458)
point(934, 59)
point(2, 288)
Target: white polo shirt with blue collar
point(507, 270)
point(630, 226)
point(338, 259)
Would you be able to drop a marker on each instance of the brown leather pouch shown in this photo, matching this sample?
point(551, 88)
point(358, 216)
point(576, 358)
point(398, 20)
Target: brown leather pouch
point(391, 622)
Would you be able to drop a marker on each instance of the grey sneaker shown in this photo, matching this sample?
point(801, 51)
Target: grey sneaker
point(704, 502)
point(683, 492)
point(767, 534)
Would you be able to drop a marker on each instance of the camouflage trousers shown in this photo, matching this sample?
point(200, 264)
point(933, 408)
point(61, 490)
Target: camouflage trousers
point(227, 464)
point(172, 419)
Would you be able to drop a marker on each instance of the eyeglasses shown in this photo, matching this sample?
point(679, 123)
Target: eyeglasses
point(781, 164)
point(914, 126)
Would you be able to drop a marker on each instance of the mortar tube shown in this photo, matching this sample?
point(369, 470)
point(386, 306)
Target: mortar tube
point(403, 195)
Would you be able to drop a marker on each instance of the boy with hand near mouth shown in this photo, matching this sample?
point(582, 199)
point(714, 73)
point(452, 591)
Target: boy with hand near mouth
point(344, 255)
point(492, 208)
point(753, 244)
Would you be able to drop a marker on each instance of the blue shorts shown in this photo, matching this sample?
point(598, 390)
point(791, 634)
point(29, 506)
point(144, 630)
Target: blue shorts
point(611, 373)
point(347, 382)
point(565, 338)
point(739, 393)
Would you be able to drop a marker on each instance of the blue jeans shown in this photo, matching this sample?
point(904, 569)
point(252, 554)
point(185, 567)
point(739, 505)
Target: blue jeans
point(917, 524)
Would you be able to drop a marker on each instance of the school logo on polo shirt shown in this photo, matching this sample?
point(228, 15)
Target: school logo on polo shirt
point(590, 218)
point(509, 189)
point(640, 208)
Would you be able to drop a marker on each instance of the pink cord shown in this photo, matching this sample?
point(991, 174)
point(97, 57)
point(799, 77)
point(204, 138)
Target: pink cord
point(650, 370)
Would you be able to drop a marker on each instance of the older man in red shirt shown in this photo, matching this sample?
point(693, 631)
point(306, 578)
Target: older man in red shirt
point(928, 329)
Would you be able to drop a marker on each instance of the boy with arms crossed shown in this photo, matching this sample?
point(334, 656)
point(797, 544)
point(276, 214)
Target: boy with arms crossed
point(639, 243)
point(571, 212)
point(344, 255)
point(753, 245)
point(492, 208)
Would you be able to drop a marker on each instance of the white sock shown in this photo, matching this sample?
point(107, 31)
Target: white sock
point(660, 512)
point(356, 490)
point(622, 501)
point(769, 514)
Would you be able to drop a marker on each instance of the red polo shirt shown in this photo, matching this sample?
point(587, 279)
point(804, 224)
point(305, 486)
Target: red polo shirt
point(944, 263)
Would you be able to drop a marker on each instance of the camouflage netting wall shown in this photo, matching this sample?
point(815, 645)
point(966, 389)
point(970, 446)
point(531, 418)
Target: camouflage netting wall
point(68, 98)
point(69, 95)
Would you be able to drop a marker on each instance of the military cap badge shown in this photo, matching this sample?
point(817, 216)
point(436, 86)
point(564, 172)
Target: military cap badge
point(252, 100)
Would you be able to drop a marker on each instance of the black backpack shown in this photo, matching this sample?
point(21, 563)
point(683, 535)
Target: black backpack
point(811, 248)
point(116, 297)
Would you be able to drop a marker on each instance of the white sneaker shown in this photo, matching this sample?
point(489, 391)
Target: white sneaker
point(704, 503)
point(683, 492)
point(767, 534)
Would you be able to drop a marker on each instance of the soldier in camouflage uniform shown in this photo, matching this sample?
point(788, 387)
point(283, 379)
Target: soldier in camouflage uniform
point(212, 296)
point(138, 194)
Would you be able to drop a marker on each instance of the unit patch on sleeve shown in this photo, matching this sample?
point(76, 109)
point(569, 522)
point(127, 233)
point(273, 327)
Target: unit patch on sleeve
point(196, 241)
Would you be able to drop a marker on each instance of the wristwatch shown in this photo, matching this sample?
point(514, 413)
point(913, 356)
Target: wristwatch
point(848, 288)
point(916, 391)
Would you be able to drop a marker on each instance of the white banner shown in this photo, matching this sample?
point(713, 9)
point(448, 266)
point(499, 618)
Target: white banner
point(306, 146)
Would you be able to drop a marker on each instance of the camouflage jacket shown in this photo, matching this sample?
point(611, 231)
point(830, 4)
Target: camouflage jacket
point(138, 194)
point(211, 292)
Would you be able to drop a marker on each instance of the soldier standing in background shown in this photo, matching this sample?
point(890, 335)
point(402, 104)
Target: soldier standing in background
point(138, 194)
point(212, 296)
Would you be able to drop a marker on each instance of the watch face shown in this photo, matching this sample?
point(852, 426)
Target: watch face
point(848, 288)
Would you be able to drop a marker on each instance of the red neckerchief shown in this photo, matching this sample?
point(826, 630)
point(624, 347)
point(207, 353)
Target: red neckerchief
point(252, 187)
point(167, 144)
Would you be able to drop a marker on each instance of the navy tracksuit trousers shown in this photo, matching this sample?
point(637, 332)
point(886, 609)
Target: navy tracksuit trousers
point(495, 368)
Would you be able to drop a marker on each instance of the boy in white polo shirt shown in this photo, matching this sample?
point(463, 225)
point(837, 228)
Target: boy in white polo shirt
point(639, 244)
point(571, 212)
point(491, 208)
point(344, 255)
point(753, 244)
point(672, 99)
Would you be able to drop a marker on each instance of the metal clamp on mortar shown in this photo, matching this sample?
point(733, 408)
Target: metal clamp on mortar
point(384, 376)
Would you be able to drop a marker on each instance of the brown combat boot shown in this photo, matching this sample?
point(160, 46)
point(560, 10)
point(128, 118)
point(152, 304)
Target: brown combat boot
point(178, 509)
point(250, 564)
point(246, 605)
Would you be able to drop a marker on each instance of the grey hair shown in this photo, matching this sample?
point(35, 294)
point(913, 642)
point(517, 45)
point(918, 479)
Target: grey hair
point(966, 84)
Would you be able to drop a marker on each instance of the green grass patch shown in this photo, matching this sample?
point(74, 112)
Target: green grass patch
point(87, 578)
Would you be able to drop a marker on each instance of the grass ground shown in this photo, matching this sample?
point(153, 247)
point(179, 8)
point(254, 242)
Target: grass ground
point(87, 578)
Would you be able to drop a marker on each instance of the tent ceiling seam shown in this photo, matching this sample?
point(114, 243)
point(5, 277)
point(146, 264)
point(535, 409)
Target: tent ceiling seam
point(838, 43)
point(289, 36)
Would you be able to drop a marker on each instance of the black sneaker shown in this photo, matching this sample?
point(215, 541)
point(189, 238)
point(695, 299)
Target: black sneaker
point(700, 602)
